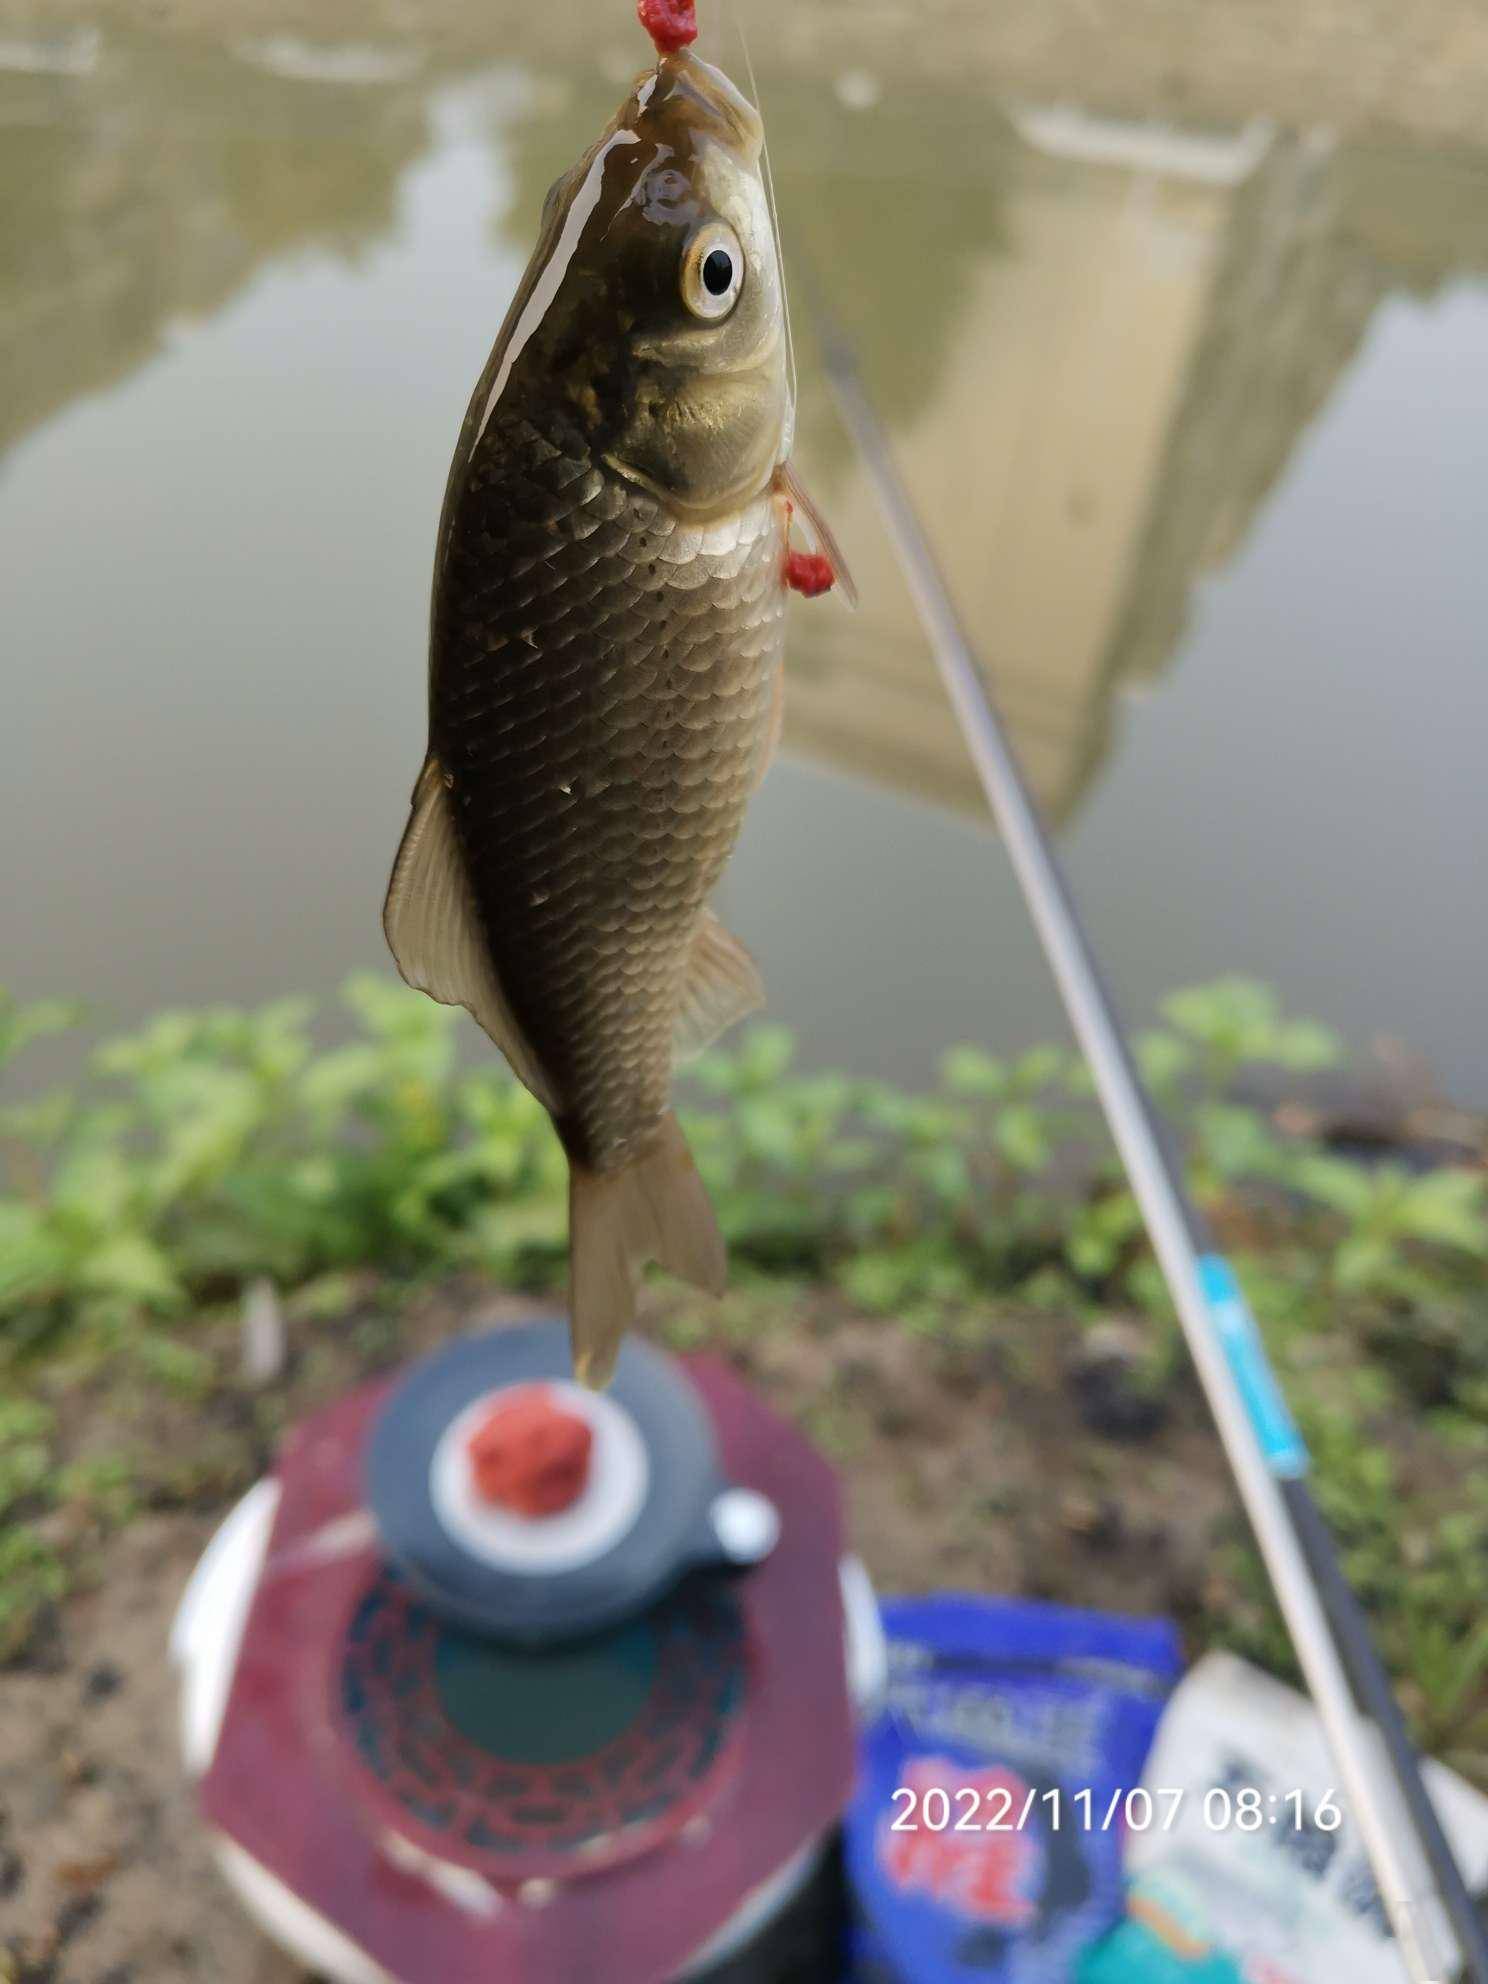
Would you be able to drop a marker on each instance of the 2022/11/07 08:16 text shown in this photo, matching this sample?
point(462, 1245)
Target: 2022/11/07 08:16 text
point(1222, 1808)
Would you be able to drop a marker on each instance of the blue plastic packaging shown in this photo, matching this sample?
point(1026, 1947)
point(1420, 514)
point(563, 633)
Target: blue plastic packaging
point(1132, 1954)
point(985, 1838)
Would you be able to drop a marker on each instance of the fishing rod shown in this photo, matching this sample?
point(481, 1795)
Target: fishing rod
point(1267, 1457)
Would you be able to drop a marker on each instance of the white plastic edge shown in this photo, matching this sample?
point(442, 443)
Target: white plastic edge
point(293, 1924)
point(208, 1627)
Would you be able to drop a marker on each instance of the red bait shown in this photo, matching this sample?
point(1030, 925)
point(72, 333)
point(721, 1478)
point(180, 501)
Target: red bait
point(529, 1455)
point(671, 24)
point(809, 573)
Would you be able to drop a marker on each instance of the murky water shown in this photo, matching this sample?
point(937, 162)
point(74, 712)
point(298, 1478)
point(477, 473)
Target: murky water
point(1198, 420)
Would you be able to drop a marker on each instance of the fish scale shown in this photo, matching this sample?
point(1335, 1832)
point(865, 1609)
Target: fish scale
point(603, 676)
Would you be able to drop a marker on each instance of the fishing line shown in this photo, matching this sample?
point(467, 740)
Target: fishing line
point(769, 178)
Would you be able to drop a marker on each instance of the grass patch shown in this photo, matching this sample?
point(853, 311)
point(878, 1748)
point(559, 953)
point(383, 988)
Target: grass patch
point(213, 1148)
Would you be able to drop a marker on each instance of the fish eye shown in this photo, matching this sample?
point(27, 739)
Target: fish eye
point(712, 271)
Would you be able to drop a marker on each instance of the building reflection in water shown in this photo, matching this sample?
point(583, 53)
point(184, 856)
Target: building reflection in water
point(1159, 322)
point(1098, 343)
point(142, 184)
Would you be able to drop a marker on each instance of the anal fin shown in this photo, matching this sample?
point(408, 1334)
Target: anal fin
point(721, 984)
point(434, 933)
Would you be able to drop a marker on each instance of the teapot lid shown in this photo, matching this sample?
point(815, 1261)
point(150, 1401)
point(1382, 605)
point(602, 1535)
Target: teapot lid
point(519, 1504)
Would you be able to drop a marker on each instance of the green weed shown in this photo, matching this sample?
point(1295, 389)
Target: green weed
point(209, 1149)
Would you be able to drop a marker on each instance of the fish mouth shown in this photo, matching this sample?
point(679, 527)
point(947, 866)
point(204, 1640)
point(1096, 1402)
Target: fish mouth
point(691, 91)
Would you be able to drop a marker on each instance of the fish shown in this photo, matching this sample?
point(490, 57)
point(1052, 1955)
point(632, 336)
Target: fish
point(605, 665)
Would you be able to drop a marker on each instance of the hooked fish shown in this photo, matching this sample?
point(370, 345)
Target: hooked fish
point(605, 679)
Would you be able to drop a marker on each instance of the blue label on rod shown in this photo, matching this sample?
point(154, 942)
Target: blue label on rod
point(1275, 1428)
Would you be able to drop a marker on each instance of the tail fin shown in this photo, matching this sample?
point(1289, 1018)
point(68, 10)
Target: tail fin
point(655, 1209)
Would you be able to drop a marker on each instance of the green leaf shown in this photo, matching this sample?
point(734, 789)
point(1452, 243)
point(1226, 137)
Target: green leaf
point(1022, 1137)
point(25, 1468)
point(1448, 1209)
point(32, 1576)
point(969, 1071)
point(1229, 1010)
point(92, 1187)
point(25, 1419)
point(340, 1079)
point(1037, 1070)
point(1362, 1262)
point(766, 1129)
point(872, 1209)
point(392, 1011)
point(766, 1053)
point(888, 1279)
point(1100, 1233)
point(1235, 1140)
point(877, 1281)
point(34, 1257)
point(1163, 1058)
point(945, 1172)
point(1347, 1188)
point(177, 1365)
point(1237, 1020)
point(1049, 1288)
point(1304, 1046)
point(40, 1122)
point(132, 1267)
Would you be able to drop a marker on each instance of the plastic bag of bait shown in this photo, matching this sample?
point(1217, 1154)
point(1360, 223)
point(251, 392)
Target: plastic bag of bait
point(1256, 1869)
point(985, 1838)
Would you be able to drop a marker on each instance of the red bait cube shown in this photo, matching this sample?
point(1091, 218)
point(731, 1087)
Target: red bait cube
point(529, 1455)
point(808, 573)
point(671, 24)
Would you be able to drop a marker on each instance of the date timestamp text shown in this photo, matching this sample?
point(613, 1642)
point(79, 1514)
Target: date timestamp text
point(1223, 1808)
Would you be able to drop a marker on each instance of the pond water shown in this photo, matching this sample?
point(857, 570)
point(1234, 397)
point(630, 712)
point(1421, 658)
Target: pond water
point(1198, 420)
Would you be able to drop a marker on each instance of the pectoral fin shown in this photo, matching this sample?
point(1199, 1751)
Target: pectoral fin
point(722, 985)
point(434, 934)
point(792, 486)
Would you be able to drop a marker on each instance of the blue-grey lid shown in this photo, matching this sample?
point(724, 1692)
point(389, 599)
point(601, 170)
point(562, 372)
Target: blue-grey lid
point(645, 1515)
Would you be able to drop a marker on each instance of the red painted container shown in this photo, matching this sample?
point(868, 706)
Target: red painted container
point(420, 1764)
